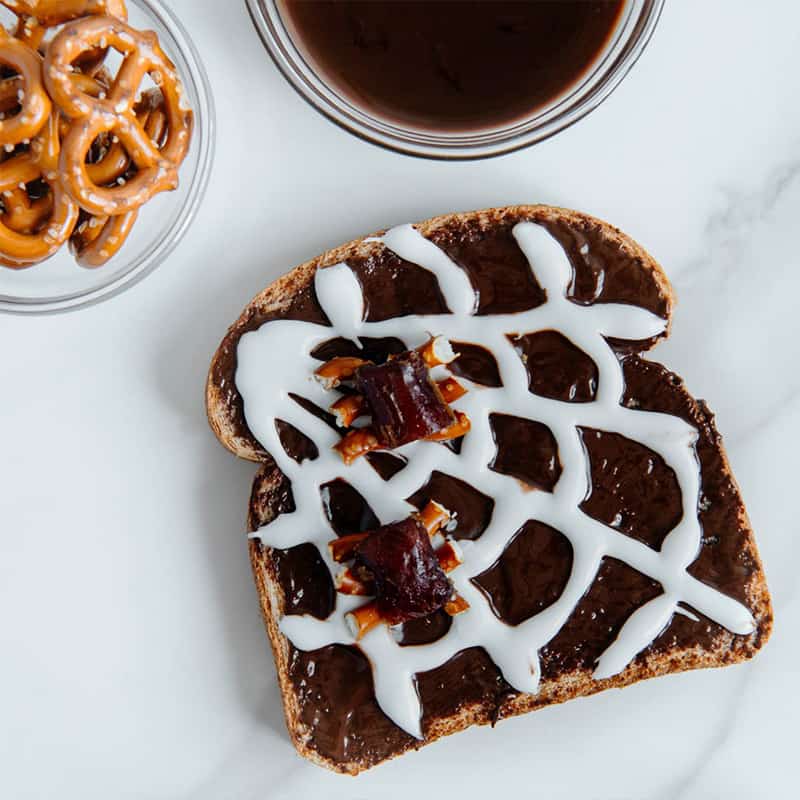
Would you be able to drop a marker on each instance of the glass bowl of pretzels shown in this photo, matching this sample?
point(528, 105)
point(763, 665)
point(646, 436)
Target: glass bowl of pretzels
point(106, 141)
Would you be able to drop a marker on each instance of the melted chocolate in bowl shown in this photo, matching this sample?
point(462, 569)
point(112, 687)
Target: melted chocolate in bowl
point(452, 65)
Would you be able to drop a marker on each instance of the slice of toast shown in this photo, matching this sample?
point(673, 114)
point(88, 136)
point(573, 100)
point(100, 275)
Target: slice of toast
point(329, 698)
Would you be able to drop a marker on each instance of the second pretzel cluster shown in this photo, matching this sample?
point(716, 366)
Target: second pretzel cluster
point(82, 149)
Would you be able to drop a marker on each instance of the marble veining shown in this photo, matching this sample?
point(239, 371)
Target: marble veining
point(134, 660)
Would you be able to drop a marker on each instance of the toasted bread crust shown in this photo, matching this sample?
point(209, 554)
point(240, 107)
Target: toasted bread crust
point(233, 434)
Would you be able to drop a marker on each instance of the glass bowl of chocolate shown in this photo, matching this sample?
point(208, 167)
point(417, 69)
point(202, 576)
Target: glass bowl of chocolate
point(452, 79)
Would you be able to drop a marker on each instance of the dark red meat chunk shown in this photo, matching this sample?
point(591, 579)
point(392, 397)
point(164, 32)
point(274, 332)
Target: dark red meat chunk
point(409, 583)
point(405, 404)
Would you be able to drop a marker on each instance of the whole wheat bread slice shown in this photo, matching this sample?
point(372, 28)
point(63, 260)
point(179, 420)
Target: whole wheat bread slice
point(269, 490)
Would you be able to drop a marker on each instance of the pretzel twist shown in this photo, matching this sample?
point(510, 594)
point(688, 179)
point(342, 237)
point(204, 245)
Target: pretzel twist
point(25, 249)
point(56, 12)
point(78, 135)
point(46, 147)
point(31, 231)
point(35, 19)
point(156, 168)
point(34, 104)
point(113, 162)
point(29, 31)
point(99, 239)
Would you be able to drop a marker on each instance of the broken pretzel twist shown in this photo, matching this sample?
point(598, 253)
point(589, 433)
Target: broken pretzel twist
point(432, 519)
point(400, 396)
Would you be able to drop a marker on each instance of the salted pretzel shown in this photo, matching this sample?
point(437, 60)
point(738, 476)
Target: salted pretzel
point(156, 168)
point(35, 19)
point(19, 212)
point(114, 162)
point(107, 160)
point(98, 239)
point(49, 13)
point(34, 104)
point(23, 215)
point(34, 243)
point(31, 231)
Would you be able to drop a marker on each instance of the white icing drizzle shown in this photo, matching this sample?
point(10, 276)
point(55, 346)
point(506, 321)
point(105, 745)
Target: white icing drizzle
point(275, 360)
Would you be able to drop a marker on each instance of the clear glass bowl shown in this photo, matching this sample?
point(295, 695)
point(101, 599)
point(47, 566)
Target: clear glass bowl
point(637, 23)
point(59, 284)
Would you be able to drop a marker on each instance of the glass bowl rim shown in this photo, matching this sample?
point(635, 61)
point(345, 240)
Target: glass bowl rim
point(163, 245)
point(266, 18)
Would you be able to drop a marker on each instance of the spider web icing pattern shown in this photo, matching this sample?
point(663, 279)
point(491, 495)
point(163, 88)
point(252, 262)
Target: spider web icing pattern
point(275, 360)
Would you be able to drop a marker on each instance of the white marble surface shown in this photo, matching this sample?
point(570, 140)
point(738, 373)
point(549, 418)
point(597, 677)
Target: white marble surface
point(132, 656)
